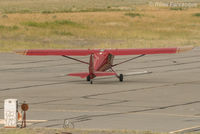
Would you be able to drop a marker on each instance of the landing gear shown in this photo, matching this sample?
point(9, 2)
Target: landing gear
point(121, 77)
point(88, 78)
point(91, 82)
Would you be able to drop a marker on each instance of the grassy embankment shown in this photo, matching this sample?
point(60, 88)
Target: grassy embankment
point(130, 27)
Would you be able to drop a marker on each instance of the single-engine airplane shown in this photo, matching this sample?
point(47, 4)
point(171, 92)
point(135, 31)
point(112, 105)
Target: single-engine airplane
point(101, 60)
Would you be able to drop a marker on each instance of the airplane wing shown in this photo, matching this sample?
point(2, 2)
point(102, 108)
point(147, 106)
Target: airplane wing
point(147, 51)
point(84, 52)
point(66, 52)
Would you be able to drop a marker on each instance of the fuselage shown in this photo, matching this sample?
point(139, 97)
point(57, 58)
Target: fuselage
point(102, 61)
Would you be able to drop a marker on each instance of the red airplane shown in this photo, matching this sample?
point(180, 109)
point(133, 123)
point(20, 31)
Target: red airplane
point(101, 60)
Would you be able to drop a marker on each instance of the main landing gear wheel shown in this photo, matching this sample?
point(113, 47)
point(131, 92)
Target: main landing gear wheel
point(88, 78)
point(91, 82)
point(121, 77)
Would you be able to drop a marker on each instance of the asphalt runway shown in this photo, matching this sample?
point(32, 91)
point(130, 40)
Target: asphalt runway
point(166, 100)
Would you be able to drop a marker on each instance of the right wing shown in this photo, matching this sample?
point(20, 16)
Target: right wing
point(146, 51)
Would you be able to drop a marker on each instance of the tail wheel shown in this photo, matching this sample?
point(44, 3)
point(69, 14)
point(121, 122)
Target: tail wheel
point(88, 78)
point(121, 77)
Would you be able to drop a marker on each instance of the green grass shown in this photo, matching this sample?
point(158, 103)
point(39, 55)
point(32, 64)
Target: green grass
point(133, 14)
point(8, 28)
point(178, 8)
point(56, 23)
point(63, 33)
point(4, 16)
point(197, 14)
point(82, 10)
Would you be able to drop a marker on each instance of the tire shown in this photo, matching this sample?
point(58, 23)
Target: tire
point(91, 82)
point(88, 78)
point(121, 77)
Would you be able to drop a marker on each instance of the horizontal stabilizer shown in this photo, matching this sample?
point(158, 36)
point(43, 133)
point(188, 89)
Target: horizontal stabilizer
point(82, 75)
point(97, 74)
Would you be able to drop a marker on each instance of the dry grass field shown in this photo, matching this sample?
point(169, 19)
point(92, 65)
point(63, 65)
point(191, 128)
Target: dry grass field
point(45, 6)
point(73, 131)
point(128, 26)
point(29, 6)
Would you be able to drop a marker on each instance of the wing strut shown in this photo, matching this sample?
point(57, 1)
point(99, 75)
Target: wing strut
point(75, 59)
point(128, 60)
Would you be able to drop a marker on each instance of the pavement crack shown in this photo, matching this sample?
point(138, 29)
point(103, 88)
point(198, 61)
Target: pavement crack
point(117, 102)
point(39, 85)
point(166, 65)
point(43, 102)
point(137, 89)
point(131, 112)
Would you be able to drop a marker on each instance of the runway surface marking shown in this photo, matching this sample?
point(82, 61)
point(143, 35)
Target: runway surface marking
point(29, 121)
point(184, 129)
point(75, 111)
point(175, 115)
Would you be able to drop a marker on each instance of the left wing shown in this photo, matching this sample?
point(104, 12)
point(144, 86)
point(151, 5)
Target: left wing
point(147, 51)
point(66, 52)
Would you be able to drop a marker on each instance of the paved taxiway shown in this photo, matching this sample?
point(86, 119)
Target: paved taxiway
point(168, 99)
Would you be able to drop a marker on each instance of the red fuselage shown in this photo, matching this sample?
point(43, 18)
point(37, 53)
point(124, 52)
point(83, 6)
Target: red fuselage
point(102, 61)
